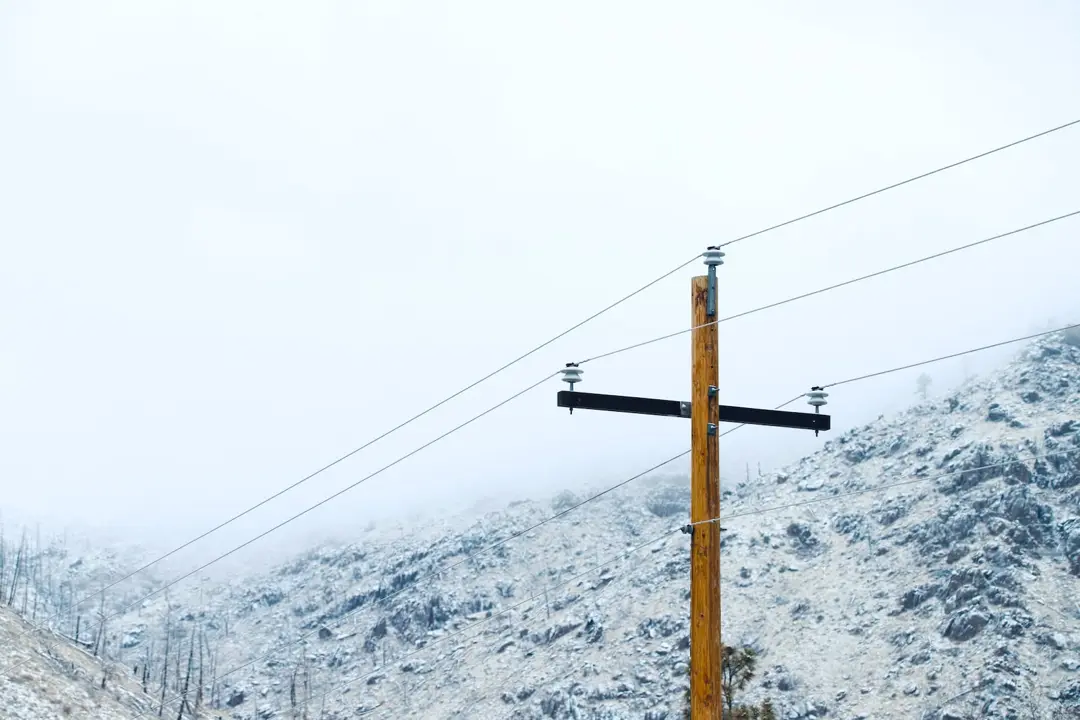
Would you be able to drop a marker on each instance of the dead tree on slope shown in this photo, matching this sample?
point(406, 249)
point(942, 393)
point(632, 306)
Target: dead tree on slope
point(165, 662)
point(187, 678)
point(16, 571)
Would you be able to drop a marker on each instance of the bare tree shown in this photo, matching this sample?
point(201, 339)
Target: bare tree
point(99, 640)
point(165, 663)
point(148, 662)
point(199, 690)
point(3, 561)
point(17, 570)
point(187, 677)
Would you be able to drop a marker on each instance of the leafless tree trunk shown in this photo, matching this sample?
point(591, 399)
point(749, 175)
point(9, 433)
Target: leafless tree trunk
point(36, 572)
point(148, 663)
point(16, 571)
point(3, 561)
point(99, 641)
point(165, 663)
point(307, 685)
point(199, 691)
point(213, 679)
point(292, 693)
point(187, 677)
point(176, 668)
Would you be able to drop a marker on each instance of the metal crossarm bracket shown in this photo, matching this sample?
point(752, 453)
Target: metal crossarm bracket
point(676, 408)
point(623, 404)
point(774, 418)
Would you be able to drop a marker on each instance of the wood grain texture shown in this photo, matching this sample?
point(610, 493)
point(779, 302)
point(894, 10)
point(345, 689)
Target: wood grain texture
point(705, 644)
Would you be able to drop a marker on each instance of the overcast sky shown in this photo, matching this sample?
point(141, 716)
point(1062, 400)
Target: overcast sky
point(240, 238)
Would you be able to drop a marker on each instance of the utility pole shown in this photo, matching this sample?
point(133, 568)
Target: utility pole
point(705, 655)
point(705, 414)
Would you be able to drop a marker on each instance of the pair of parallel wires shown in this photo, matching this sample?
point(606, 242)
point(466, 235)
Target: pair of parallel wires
point(537, 348)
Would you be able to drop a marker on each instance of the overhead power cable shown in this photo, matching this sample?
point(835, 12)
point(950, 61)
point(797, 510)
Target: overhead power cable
point(571, 329)
point(300, 514)
point(908, 519)
point(466, 558)
point(483, 621)
point(829, 288)
point(371, 442)
point(337, 494)
point(548, 342)
point(882, 488)
point(951, 356)
point(469, 708)
point(535, 596)
point(915, 178)
point(668, 533)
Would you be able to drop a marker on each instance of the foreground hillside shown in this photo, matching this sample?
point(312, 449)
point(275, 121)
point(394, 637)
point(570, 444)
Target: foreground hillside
point(51, 678)
point(953, 595)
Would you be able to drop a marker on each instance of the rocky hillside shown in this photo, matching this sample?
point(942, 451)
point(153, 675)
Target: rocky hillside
point(924, 566)
point(52, 679)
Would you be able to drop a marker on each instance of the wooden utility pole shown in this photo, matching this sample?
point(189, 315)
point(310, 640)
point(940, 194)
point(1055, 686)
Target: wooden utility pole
point(705, 414)
point(705, 656)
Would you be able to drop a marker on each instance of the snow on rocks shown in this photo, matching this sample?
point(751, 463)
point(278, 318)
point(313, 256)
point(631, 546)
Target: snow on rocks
point(950, 597)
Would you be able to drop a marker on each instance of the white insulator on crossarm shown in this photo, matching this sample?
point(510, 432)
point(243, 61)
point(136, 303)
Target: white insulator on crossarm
point(572, 374)
point(816, 398)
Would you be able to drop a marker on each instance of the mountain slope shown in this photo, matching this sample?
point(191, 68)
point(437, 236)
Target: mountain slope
point(949, 597)
point(923, 566)
point(54, 679)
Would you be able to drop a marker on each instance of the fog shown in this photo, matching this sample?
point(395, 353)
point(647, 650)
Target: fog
point(240, 239)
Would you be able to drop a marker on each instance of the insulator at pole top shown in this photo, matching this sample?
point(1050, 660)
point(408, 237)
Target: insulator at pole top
point(816, 397)
point(713, 256)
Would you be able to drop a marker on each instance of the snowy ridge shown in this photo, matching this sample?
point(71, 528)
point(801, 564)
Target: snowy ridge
point(948, 598)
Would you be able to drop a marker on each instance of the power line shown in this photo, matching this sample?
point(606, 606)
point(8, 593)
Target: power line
point(952, 355)
point(910, 520)
point(341, 492)
point(903, 182)
point(544, 344)
point(620, 556)
point(313, 507)
point(726, 518)
point(611, 559)
point(514, 674)
point(468, 557)
point(465, 711)
point(880, 488)
point(392, 430)
point(819, 291)
point(555, 338)
point(578, 325)
point(531, 352)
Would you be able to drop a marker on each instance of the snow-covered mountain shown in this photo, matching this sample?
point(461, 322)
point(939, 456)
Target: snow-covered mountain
point(924, 566)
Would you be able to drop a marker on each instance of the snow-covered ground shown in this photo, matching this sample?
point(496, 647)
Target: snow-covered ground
point(952, 595)
point(49, 678)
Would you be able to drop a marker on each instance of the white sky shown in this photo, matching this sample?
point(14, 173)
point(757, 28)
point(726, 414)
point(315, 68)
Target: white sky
point(238, 239)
